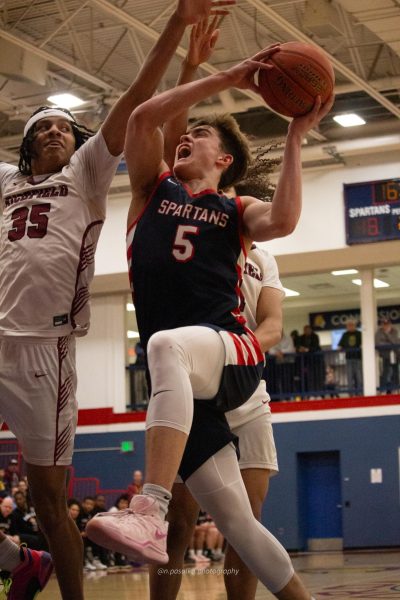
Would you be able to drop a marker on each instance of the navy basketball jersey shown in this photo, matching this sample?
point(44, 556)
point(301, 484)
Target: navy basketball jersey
point(185, 255)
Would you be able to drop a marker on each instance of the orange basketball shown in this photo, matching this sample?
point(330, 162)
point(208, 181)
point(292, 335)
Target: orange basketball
point(300, 73)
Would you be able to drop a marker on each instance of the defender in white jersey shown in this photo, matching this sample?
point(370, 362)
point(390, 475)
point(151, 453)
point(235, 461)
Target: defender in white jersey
point(53, 207)
point(262, 294)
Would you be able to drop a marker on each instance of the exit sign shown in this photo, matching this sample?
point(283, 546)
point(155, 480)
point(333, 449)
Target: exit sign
point(127, 446)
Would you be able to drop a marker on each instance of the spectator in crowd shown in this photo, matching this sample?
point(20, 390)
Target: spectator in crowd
point(6, 509)
point(295, 338)
point(281, 367)
point(312, 364)
point(330, 381)
point(99, 504)
point(140, 383)
point(3, 486)
point(11, 476)
point(136, 486)
point(350, 342)
point(91, 560)
point(119, 562)
point(387, 342)
point(121, 503)
point(24, 524)
point(74, 509)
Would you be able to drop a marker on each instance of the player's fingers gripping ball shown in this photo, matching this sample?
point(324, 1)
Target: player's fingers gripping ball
point(296, 75)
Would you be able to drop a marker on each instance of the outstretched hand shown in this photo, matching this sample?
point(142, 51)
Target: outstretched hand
point(203, 38)
point(193, 11)
point(242, 74)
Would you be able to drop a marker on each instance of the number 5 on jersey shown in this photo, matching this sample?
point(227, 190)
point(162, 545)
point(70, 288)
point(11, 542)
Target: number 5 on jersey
point(183, 249)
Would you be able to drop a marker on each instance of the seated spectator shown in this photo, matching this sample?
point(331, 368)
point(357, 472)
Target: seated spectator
point(3, 486)
point(121, 503)
point(207, 541)
point(387, 340)
point(24, 524)
point(92, 553)
point(137, 484)
point(11, 475)
point(99, 504)
point(6, 508)
point(74, 509)
point(119, 562)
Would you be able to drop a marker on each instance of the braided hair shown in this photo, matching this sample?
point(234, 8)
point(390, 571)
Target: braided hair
point(256, 181)
point(26, 153)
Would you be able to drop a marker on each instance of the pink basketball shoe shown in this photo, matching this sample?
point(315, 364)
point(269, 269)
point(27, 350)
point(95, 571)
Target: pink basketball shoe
point(138, 532)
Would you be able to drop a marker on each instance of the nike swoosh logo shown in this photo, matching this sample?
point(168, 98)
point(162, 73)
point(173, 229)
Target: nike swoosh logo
point(160, 535)
point(40, 374)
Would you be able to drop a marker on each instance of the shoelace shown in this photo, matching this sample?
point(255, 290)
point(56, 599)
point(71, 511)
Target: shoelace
point(121, 514)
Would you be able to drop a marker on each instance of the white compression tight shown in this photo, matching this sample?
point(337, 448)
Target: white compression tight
point(184, 363)
point(219, 489)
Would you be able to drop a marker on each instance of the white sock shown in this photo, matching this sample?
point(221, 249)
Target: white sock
point(9, 555)
point(163, 496)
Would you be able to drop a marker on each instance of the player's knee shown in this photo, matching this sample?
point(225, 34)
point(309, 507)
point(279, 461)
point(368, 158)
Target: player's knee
point(159, 344)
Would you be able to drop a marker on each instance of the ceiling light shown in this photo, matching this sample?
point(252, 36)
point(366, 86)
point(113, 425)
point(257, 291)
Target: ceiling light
point(65, 100)
point(130, 307)
point(132, 334)
point(290, 292)
point(378, 283)
point(349, 120)
point(345, 272)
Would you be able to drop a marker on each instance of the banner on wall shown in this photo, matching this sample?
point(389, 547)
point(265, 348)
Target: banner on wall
point(337, 319)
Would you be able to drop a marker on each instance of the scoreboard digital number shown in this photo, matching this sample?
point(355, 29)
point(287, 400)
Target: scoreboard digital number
point(372, 211)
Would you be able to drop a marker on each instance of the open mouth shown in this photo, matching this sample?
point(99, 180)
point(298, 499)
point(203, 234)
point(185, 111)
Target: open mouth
point(184, 152)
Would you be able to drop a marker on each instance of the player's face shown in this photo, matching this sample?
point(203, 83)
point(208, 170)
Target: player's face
point(54, 143)
point(197, 152)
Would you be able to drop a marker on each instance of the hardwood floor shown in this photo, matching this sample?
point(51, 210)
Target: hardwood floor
point(336, 576)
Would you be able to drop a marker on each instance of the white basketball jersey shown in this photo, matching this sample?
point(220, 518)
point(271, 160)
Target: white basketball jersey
point(49, 231)
point(260, 271)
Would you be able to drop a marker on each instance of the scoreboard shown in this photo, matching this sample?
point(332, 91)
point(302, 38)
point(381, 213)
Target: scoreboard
point(372, 211)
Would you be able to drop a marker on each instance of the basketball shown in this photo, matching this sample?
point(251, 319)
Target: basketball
point(300, 73)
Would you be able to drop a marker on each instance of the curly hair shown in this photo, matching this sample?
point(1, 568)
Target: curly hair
point(257, 182)
point(233, 141)
point(26, 153)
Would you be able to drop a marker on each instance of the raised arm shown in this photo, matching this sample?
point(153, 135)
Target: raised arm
point(203, 37)
point(144, 143)
point(154, 67)
point(263, 222)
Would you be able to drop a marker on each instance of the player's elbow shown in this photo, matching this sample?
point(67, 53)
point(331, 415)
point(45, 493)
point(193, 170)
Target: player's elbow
point(140, 121)
point(280, 229)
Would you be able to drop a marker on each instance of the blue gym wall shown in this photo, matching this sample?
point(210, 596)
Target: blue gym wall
point(371, 519)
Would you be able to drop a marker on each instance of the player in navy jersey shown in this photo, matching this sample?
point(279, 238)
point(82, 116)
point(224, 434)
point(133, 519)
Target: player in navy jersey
point(53, 208)
point(206, 360)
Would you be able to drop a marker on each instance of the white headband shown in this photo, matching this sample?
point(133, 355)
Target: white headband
point(47, 112)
